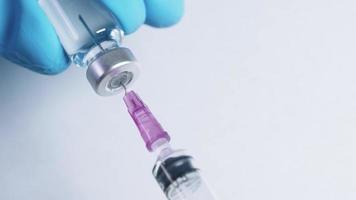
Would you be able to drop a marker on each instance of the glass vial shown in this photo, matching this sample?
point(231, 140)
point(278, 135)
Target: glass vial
point(92, 38)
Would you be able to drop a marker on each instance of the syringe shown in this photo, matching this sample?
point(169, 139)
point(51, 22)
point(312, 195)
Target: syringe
point(92, 37)
point(173, 170)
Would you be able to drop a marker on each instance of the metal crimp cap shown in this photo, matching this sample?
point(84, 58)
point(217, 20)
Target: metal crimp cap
point(112, 70)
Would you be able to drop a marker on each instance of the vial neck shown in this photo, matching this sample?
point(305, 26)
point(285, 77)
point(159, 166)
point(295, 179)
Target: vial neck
point(108, 40)
point(86, 57)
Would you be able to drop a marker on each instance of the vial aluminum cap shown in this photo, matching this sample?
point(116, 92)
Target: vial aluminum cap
point(111, 70)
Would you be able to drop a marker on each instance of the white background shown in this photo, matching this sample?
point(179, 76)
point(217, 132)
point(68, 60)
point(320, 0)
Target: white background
point(262, 93)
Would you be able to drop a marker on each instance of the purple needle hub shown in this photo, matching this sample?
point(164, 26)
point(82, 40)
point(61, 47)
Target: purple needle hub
point(150, 129)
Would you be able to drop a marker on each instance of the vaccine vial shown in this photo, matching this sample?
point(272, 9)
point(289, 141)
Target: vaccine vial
point(178, 177)
point(92, 37)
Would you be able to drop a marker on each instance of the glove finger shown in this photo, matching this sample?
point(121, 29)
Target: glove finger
point(163, 13)
point(130, 13)
point(31, 41)
point(5, 15)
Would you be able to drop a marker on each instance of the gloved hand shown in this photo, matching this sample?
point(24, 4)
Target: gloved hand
point(27, 38)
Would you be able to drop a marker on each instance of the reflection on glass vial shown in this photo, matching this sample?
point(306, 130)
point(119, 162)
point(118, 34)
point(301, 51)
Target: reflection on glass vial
point(81, 25)
point(92, 37)
point(179, 179)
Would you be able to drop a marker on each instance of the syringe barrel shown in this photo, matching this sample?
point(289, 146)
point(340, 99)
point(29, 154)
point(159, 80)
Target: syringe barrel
point(180, 179)
point(174, 170)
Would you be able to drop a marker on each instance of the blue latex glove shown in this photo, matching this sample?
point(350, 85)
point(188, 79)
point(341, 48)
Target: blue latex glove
point(27, 38)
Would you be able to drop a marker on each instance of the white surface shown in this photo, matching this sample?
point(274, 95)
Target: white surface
point(261, 92)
